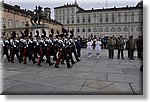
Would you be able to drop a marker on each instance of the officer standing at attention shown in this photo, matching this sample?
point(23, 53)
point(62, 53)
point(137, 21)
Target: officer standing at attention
point(131, 47)
point(120, 46)
point(111, 46)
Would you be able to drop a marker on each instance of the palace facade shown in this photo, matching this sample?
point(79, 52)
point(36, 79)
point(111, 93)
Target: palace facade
point(123, 21)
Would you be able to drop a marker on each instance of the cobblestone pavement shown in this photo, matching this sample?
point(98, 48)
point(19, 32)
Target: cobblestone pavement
point(89, 76)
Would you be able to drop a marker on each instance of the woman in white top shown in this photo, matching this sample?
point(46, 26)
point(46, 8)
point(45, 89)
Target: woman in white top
point(98, 47)
point(89, 47)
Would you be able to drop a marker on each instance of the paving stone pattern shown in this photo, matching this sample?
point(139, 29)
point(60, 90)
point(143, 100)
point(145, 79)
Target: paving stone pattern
point(101, 76)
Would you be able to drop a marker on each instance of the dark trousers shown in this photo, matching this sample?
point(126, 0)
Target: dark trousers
point(111, 53)
point(139, 52)
point(62, 54)
point(79, 52)
point(5, 52)
point(120, 51)
point(75, 54)
point(21, 53)
point(14, 51)
point(131, 53)
point(70, 55)
point(48, 53)
point(34, 54)
point(40, 56)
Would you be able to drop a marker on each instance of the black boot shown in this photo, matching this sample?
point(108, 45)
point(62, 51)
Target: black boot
point(56, 66)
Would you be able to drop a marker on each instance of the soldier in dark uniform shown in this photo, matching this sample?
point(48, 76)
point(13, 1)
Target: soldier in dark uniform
point(14, 43)
point(78, 43)
point(55, 47)
point(40, 54)
point(62, 53)
point(21, 48)
point(68, 48)
point(25, 46)
point(35, 47)
point(5, 48)
point(120, 46)
point(111, 46)
point(139, 44)
point(73, 49)
point(131, 47)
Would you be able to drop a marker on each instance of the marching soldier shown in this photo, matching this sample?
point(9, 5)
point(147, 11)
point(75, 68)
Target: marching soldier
point(55, 47)
point(14, 49)
point(68, 48)
point(73, 47)
point(62, 53)
point(78, 43)
point(5, 49)
point(47, 50)
point(40, 54)
point(35, 47)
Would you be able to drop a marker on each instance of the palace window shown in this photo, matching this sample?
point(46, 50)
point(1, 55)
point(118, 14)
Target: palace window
point(113, 18)
point(72, 19)
point(78, 20)
point(140, 16)
point(106, 30)
point(138, 29)
point(83, 19)
point(119, 29)
point(132, 16)
point(94, 30)
point(89, 30)
point(67, 11)
point(106, 17)
point(3, 21)
point(113, 29)
point(101, 29)
point(63, 11)
point(10, 23)
point(125, 17)
point(119, 17)
point(78, 30)
point(22, 24)
point(17, 24)
point(72, 10)
point(68, 20)
point(94, 18)
point(125, 29)
point(63, 19)
point(89, 19)
point(83, 30)
point(101, 19)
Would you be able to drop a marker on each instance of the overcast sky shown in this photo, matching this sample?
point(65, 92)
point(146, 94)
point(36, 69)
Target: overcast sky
point(85, 4)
